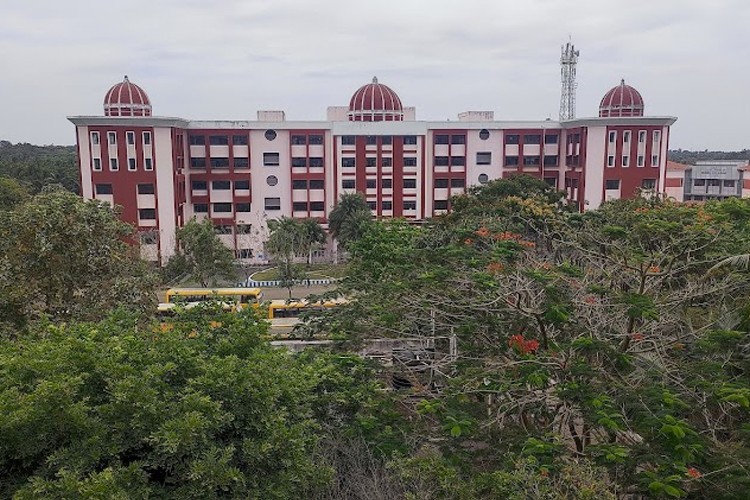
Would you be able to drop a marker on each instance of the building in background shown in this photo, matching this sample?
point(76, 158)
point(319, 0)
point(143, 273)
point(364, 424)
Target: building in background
point(164, 171)
point(716, 180)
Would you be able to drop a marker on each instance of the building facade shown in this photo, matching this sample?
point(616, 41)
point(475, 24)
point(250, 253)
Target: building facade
point(716, 180)
point(164, 171)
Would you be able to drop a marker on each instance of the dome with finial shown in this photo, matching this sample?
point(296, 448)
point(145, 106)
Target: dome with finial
point(126, 99)
point(375, 102)
point(622, 100)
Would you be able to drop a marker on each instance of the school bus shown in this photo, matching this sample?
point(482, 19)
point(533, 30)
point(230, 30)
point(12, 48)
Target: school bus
point(284, 315)
point(238, 298)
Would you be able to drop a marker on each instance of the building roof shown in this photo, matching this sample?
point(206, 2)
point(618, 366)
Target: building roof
point(622, 100)
point(375, 102)
point(126, 99)
point(673, 165)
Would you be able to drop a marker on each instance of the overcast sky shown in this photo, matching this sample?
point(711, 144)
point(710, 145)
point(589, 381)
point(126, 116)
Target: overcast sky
point(225, 59)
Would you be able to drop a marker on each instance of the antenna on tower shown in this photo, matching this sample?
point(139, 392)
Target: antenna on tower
point(568, 61)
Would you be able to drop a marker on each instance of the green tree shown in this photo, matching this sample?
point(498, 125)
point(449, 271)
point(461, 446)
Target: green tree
point(203, 254)
point(349, 219)
point(11, 193)
point(314, 237)
point(288, 240)
point(64, 257)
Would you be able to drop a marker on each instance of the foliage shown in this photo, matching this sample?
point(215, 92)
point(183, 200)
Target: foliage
point(64, 257)
point(12, 193)
point(349, 219)
point(202, 409)
point(35, 167)
point(289, 240)
point(202, 253)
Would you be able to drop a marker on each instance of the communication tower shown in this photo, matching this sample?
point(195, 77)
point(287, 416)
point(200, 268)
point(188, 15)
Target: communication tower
point(568, 61)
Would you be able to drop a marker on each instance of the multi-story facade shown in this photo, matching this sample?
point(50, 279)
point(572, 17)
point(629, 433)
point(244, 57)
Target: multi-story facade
point(164, 171)
point(717, 179)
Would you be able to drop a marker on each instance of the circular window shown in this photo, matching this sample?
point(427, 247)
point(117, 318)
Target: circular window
point(270, 135)
point(484, 134)
point(272, 180)
point(483, 178)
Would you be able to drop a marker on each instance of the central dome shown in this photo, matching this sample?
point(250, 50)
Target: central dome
point(375, 102)
point(622, 100)
point(126, 99)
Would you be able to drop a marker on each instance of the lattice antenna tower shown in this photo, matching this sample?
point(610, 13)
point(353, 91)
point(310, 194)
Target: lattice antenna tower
point(568, 61)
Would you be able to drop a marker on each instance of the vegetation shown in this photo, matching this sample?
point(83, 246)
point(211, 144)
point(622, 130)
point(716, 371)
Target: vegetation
point(690, 157)
point(35, 167)
point(291, 239)
point(350, 219)
point(201, 254)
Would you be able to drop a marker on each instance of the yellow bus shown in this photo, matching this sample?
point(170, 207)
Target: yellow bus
point(238, 298)
point(284, 315)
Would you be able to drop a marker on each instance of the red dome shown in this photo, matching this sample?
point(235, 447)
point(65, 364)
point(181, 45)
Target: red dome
point(126, 99)
point(622, 100)
point(375, 102)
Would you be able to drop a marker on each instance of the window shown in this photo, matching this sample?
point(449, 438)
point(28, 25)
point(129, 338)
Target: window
point(147, 214)
point(97, 164)
point(113, 165)
point(371, 140)
point(511, 160)
point(244, 253)
point(625, 161)
point(112, 138)
point(299, 162)
point(441, 205)
point(386, 183)
point(270, 135)
point(714, 182)
point(511, 139)
point(197, 163)
point(223, 229)
point(550, 160)
point(484, 158)
point(347, 184)
point(315, 162)
point(657, 135)
point(611, 160)
point(221, 185)
point(242, 207)
point(145, 189)
point(218, 140)
point(532, 139)
point(626, 136)
point(271, 159)
point(299, 140)
point(458, 139)
point(223, 208)
point(728, 184)
point(200, 208)
point(699, 182)
point(348, 140)
point(387, 205)
point(243, 228)
point(442, 161)
point(654, 160)
point(441, 139)
point(642, 136)
point(94, 137)
point(458, 183)
point(317, 206)
point(241, 184)
point(550, 139)
point(410, 205)
point(371, 184)
point(347, 162)
point(458, 161)
point(148, 238)
point(199, 185)
point(483, 178)
point(197, 140)
point(441, 183)
point(241, 163)
point(104, 189)
point(530, 161)
point(386, 140)
point(219, 162)
point(551, 181)
point(148, 164)
point(612, 184)
point(484, 134)
point(640, 160)
point(315, 140)
point(299, 184)
point(410, 139)
point(371, 162)
point(649, 184)
point(317, 184)
point(612, 136)
point(410, 161)
point(386, 162)
point(372, 205)
point(272, 180)
point(410, 183)
point(240, 140)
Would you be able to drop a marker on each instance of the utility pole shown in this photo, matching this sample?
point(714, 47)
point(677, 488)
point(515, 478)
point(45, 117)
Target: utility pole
point(568, 61)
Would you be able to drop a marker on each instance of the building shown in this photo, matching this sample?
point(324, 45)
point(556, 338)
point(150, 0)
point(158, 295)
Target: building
point(716, 179)
point(164, 171)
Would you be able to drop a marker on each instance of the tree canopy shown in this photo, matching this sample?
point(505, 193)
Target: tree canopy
point(201, 253)
point(349, 219)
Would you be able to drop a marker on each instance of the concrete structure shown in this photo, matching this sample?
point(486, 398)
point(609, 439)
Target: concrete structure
point(164, 171)
point(719, 179)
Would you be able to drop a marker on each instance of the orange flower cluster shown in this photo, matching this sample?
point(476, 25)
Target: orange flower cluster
point(590, 299)
point(482, 232)
point(637, 337)
point(641, 210)
point(506, 235)
point(495, 267)
point(520, 344)
point(694, 473)
point(468, 241)
point(654, 269)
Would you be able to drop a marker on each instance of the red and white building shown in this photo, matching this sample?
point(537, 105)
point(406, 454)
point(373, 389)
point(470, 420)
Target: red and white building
point(164, 171)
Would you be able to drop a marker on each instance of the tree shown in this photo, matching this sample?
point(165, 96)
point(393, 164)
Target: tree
point(349, 219)
point(206, 257)
point(11, 193)
point(64, 257)
point(314, 236)
point(289, 239)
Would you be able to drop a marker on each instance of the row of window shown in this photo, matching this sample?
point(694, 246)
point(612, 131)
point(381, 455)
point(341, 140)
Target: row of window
point(656, 136)
point(531, 161)
point(713, 182)
point(613, 184)
point(303, 184)
point(220, 163)
point(312, 162)
point(303, 206)
point(454, 183)
point(114, 164)
point(107, 188)
point(370, 140)
point(202, 208)
point(220, 185)
point(409, 161)
point(640, 160)
point(408, 183)
point(129, 138)
point(531, 139)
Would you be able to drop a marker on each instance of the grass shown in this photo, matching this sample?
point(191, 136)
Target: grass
point(316, 271)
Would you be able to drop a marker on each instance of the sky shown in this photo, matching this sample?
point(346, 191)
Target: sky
point(226, 59)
